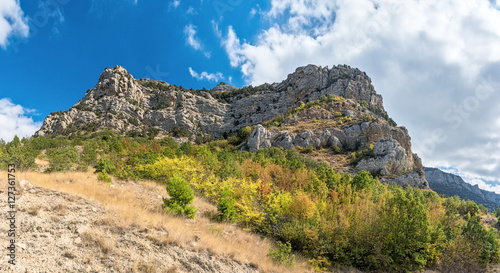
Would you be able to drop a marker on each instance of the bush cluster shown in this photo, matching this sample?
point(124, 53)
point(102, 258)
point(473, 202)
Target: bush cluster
point(328, 216)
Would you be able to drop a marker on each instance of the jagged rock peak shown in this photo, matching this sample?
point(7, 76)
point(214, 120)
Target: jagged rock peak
point(343, 113)
point(124, 104)
point(222, 87)
point(341, 80)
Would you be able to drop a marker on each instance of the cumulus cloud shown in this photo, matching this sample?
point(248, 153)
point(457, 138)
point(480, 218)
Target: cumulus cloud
point(12, 21)
point(435, 63)
point(213, 77)
point(193, 41)
point(15, 121)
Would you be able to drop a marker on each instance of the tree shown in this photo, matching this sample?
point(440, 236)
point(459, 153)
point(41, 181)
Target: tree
point(226, 204)
point(407, 227)
point(362, 180)
point(62, 159)
point(181, 195)
point(487, 240)
point(22, 156)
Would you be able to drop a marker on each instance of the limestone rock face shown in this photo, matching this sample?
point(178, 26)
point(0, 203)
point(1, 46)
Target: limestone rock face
point(124, 104)
point(259, 139)
point(130, 106)
point(391, 160)
point(222, 87)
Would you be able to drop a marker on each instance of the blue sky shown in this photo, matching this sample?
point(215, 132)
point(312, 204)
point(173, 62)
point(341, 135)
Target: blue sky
point(437, 64)
point(70, 42)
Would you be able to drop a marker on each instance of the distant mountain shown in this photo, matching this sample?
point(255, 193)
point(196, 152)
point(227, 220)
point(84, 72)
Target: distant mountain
point(451, 185)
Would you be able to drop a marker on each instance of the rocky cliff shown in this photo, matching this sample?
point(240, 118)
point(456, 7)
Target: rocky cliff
point(125, 104)
point(314, 108)
point(451, 185)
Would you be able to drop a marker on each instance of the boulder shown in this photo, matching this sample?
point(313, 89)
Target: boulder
point(390, 159)
point(282, 139)
point(259, 138)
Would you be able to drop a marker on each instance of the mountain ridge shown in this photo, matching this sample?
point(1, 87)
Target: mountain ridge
point(451, 185)
point(338, 107)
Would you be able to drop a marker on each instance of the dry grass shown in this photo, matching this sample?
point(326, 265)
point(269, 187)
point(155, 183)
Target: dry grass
point(138, 204)
point(34, 210)
point(146, 267)
point(339, 162)
point(102, 240)
point(60, 209)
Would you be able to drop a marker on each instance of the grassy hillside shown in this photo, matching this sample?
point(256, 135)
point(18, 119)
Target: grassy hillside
point(332, 218)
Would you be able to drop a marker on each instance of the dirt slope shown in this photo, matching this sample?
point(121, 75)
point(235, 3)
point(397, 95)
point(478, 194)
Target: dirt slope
point(60, 232)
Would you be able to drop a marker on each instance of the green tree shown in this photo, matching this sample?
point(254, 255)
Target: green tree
point(62, 159)
point(14, 143)
point(362, 180)
point(487, 240)
point(22, 156)
point(181, 195)
point(407, 228)
point(226, 206)
point(105, 164)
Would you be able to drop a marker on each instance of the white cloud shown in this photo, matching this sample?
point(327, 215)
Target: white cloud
point(253, 12)
point(175, 3)
point(193, 41)
point(191, 11)
point(215, 27)
point(14, 121)
point(432, 62)
point(12, 21)
point(214, 77)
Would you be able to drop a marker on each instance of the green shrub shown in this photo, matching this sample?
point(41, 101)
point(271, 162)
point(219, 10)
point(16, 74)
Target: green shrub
point(22, 156)
point(362, 180)
point(407, 231)
point(282, 254)
point(309, 149)
point(226, 206)
point(468, 207)
point(180, 131)
point(105, 164)
point(181, 195)
point(62, 159)
point(103, 176)
point(319, 264)
point(336, 149)
point(487, 240)
point(367, 118)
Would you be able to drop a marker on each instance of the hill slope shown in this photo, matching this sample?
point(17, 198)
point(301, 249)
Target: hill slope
point(71, 222)
point(351, 116)
point(451, 185)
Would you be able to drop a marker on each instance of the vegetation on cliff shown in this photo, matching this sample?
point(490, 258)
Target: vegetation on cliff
point(328, 216)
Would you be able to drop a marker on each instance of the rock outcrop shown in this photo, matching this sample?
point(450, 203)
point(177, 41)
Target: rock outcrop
point(390, 160)
point(124, 104)
point(222, 87)
point(451, 185)
point(353, 119)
